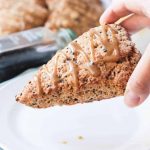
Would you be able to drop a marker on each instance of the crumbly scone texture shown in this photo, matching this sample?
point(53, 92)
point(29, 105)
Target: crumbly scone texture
point(78, 15)
point(18, 15)
point(109, 83)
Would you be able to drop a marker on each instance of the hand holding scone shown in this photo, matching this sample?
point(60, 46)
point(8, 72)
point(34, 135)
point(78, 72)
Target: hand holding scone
point(138, 87)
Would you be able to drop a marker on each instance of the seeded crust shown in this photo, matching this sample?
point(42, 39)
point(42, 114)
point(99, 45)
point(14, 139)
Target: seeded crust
point(110, 83)
point(18, 15)
point(78, 15)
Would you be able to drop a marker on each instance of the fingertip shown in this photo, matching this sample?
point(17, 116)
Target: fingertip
point(131, 99)
point(107, 16)
point(131, 103)
point(103, 19)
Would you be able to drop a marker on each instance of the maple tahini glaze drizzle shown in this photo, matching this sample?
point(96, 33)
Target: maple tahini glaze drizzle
point(112, 55)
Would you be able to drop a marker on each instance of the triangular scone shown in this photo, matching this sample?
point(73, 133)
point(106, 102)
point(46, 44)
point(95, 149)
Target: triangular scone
point(95, 66)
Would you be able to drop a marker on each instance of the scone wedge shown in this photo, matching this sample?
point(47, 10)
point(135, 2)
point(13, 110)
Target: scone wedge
point(95, 66)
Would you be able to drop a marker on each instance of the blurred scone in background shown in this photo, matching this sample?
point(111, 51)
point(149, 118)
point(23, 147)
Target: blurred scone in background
point(78, 15)
point(18, 15)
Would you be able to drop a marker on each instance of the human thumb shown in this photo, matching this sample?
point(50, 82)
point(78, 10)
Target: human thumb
point(138, 86)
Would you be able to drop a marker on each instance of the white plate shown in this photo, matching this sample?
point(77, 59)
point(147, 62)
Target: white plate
point(105, 125)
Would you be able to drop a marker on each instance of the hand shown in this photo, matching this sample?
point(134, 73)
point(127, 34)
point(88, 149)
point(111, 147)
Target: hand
point(138, 86)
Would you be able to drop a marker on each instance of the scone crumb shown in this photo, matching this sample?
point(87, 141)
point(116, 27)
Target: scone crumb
point(80, 137)
point(64, 142)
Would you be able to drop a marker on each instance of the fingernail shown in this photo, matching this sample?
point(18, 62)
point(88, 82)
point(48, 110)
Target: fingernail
point(131, 98)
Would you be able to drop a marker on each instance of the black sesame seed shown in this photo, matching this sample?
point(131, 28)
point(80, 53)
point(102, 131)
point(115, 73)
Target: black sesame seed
point(104, 50)
point(48, 85)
